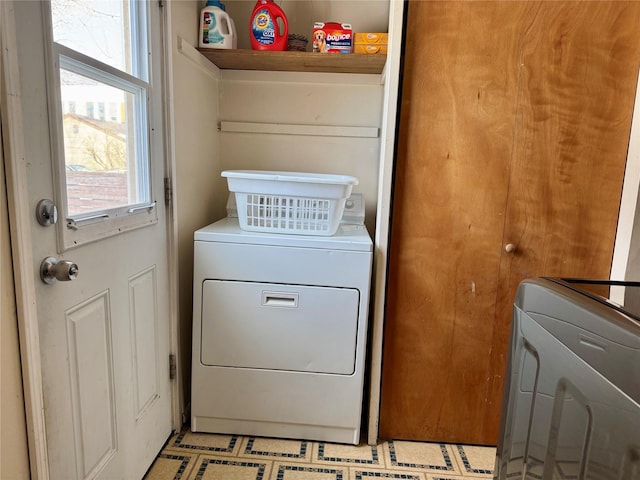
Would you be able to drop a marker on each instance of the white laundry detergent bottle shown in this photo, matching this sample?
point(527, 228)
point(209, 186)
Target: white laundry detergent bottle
point(217, 29)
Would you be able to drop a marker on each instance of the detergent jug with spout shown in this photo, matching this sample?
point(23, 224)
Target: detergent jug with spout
point(217, 29)
point(264, 31)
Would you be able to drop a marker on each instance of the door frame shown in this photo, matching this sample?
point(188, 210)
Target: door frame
point(20, 211)
point(20, 234)
point(391, 79)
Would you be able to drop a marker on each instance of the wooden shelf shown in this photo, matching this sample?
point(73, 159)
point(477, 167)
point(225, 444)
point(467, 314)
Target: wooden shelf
point(294, 61)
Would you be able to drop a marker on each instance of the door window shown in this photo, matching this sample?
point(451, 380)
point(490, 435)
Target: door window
point(100, 110)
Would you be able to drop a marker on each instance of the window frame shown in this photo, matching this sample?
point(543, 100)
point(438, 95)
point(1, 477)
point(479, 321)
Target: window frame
point(76, 230)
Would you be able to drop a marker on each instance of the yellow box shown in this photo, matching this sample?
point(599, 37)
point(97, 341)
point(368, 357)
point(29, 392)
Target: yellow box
point(370, 49)
point(370, 38)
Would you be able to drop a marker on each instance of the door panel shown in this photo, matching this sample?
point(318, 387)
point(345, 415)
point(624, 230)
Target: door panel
point(92, 388)
point(576, 97)
point(458, 100)
point(104, 337)
point(510, 132)
point(145, 335)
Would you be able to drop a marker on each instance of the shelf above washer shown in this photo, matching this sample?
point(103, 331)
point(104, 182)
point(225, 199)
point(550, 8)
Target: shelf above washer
point(294, 61)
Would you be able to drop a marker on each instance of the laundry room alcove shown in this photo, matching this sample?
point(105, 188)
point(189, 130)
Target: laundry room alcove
point(283, 111)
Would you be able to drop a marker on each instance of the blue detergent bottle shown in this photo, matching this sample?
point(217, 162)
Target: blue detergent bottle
point(217, 29)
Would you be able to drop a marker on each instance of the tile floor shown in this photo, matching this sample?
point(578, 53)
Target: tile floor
point(198, 456)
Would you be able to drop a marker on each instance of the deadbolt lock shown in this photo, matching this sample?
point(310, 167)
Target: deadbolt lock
point(46, 213)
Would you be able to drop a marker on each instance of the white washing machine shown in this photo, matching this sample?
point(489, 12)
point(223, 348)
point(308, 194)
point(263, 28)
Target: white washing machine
point(279, 332)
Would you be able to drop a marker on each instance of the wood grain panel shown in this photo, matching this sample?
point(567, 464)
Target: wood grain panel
point(579, 66)
point(515, 121)
point(294, 61)
point(456, 132)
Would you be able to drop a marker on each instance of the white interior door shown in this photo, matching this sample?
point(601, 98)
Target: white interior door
point(93, 146)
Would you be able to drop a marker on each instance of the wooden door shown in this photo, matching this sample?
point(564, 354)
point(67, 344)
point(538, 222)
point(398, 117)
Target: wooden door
point(514, 128)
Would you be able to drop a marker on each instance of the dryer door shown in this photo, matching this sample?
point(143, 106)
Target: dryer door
point(279, 327)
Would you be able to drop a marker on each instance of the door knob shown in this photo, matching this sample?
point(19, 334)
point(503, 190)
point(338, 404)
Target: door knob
point(510, 248)
point(51, 270)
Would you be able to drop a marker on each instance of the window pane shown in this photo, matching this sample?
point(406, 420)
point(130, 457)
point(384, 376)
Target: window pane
point(97, 28)
point(100, 156)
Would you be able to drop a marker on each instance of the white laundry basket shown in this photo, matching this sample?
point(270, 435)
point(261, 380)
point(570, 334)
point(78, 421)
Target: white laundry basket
point(289, 202)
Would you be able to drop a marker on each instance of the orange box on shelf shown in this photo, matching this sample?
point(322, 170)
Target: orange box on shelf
point(371, 38)
point(370, 49)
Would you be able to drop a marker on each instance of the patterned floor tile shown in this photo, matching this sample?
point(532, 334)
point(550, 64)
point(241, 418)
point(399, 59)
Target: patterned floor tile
point(435, 457)
point(334, 453)
point(271, 448)
point(223, 468)
point(205, 443)
point(476, 460)
point(171, 466)
point(289, 471)
point(365, 473)
point(204, 456)
point(444, 477)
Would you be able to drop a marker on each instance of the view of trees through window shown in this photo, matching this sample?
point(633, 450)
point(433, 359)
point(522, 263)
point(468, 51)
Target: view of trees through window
point(100, 103)
point(93, 141)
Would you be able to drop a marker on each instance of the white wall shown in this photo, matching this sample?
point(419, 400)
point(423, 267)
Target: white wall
point(198, 198)
point(626, 254)
point(633, 261)
point(305, 99)
point(632, 186)
point(633, 266)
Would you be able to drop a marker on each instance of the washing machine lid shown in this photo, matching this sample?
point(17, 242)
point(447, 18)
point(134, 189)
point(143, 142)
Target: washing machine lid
point(625, 299)
point(348, 237)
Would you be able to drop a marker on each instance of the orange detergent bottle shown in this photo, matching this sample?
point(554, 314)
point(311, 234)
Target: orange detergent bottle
point(265, 31)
